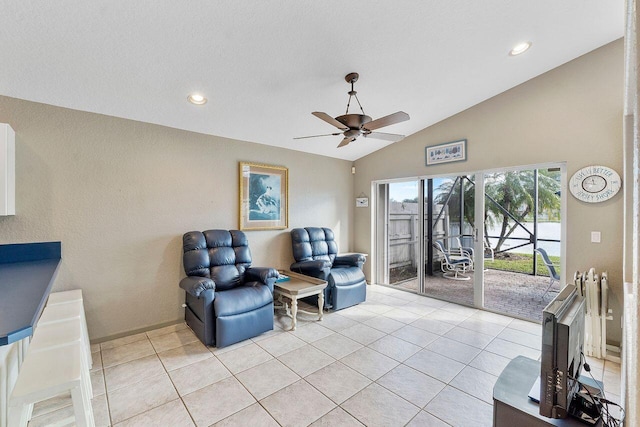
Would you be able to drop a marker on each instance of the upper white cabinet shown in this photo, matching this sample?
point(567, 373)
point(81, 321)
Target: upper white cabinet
point(7, 170)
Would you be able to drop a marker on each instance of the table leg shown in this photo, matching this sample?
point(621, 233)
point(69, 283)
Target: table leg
point(294, 313)
point(320, 304)
point(280, 303)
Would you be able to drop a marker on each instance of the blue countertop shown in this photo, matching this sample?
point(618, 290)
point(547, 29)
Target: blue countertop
point(27, 273)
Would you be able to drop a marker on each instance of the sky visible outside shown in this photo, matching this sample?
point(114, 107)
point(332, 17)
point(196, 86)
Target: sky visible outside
point(400, 191)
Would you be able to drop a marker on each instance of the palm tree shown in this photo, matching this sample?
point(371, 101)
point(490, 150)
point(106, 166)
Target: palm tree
point(512, 192)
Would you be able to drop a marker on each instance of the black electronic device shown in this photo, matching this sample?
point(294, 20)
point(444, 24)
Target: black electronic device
point(585, 408)
point(563, 326)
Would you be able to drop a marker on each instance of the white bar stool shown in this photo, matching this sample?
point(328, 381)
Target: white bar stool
point(46, 374)
point(68, 311)
point(59, 334)
point(64, 297)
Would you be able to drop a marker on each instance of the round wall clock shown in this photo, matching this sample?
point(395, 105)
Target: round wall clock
point(593, 184)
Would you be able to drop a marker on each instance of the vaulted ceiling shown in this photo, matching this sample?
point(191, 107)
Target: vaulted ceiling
point(266, 65)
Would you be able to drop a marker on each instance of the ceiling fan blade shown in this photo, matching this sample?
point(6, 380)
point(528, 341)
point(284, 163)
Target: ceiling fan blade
point(346, 141)
point(316, 136)
point(393, 137)
point(327, 118)
point(391, 119)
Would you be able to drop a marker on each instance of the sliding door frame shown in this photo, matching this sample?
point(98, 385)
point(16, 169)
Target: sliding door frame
point(379, 189)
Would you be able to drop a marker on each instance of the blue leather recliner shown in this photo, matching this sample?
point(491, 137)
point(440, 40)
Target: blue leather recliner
point(316, 253)
point(227, 301)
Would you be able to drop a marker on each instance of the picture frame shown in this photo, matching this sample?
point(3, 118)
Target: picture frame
point(455, 151)
point(362, 202)
point(264, 197)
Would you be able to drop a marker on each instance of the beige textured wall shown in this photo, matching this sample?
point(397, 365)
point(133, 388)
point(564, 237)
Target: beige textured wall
point(119, 195)
point(571, 114)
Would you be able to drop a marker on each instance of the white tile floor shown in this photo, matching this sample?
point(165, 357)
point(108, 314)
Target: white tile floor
point(397, 359)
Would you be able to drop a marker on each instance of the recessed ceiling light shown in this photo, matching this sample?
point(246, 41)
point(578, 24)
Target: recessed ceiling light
point(520, 48)
point(197, 99)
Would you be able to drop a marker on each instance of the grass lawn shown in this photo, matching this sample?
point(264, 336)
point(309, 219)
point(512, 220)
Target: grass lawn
point(522, 263)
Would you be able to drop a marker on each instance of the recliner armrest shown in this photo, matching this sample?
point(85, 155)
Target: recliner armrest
point(316, 268)
point(265, 275)
point(350, 260)
point(195, 285)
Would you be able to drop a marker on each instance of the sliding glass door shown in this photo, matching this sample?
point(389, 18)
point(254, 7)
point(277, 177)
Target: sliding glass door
point(430, 238)
point(399, 234)
point(523, 229)
point(449, 238)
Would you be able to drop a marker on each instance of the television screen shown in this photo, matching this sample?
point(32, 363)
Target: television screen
point(562, 344)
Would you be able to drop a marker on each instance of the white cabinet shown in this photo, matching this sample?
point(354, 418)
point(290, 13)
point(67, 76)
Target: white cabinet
point(11, 357)
point(7, 170)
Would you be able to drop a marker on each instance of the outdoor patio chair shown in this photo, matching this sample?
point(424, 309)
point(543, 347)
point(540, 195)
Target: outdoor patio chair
point(464, 251)
point(469, 252)
point(453, 266)
point(488, 252)
point(553, 274)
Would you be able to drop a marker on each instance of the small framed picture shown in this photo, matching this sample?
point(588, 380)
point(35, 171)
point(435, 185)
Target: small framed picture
point(362, 202)
point(263, 197)
point(455, 151)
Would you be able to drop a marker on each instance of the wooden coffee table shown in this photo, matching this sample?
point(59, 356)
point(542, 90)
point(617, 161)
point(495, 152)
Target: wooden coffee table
point(298, 286)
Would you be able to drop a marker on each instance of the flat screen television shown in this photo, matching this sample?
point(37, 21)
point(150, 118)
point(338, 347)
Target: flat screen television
point(562, 345)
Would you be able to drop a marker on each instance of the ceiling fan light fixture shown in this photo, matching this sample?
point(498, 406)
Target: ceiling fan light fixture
point(520, 48)
point(197, 99)
point(354, 125)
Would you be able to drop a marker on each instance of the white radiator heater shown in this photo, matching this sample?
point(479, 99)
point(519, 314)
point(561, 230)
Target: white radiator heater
point(595, 290)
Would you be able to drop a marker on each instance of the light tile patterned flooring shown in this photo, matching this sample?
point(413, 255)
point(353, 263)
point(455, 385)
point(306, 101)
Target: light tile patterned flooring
point(397, 359)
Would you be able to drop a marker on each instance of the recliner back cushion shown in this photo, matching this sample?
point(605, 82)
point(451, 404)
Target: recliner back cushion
point(195, 257)
point(220, 255)
point(313, 243)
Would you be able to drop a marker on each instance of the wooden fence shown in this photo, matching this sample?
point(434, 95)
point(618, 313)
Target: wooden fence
point(403, 240)
point(404, 234)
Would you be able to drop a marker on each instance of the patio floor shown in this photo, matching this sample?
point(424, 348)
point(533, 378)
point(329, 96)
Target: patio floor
point(510, 293)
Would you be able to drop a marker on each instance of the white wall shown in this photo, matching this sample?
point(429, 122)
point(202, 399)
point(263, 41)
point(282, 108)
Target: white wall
point(571, 114)
point(119, 195)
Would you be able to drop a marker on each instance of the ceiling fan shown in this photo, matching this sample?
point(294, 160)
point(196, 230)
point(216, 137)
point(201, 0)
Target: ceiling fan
point(354, 125)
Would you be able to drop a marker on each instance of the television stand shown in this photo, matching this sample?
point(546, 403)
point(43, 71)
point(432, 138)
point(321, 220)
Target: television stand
point(511, 403)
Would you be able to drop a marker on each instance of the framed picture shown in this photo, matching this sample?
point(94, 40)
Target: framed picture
point(455, 151)
point(362, 202)
point(263, 197)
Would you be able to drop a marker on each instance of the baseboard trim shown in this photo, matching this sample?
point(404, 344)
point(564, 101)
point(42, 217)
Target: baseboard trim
point(136, 331)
